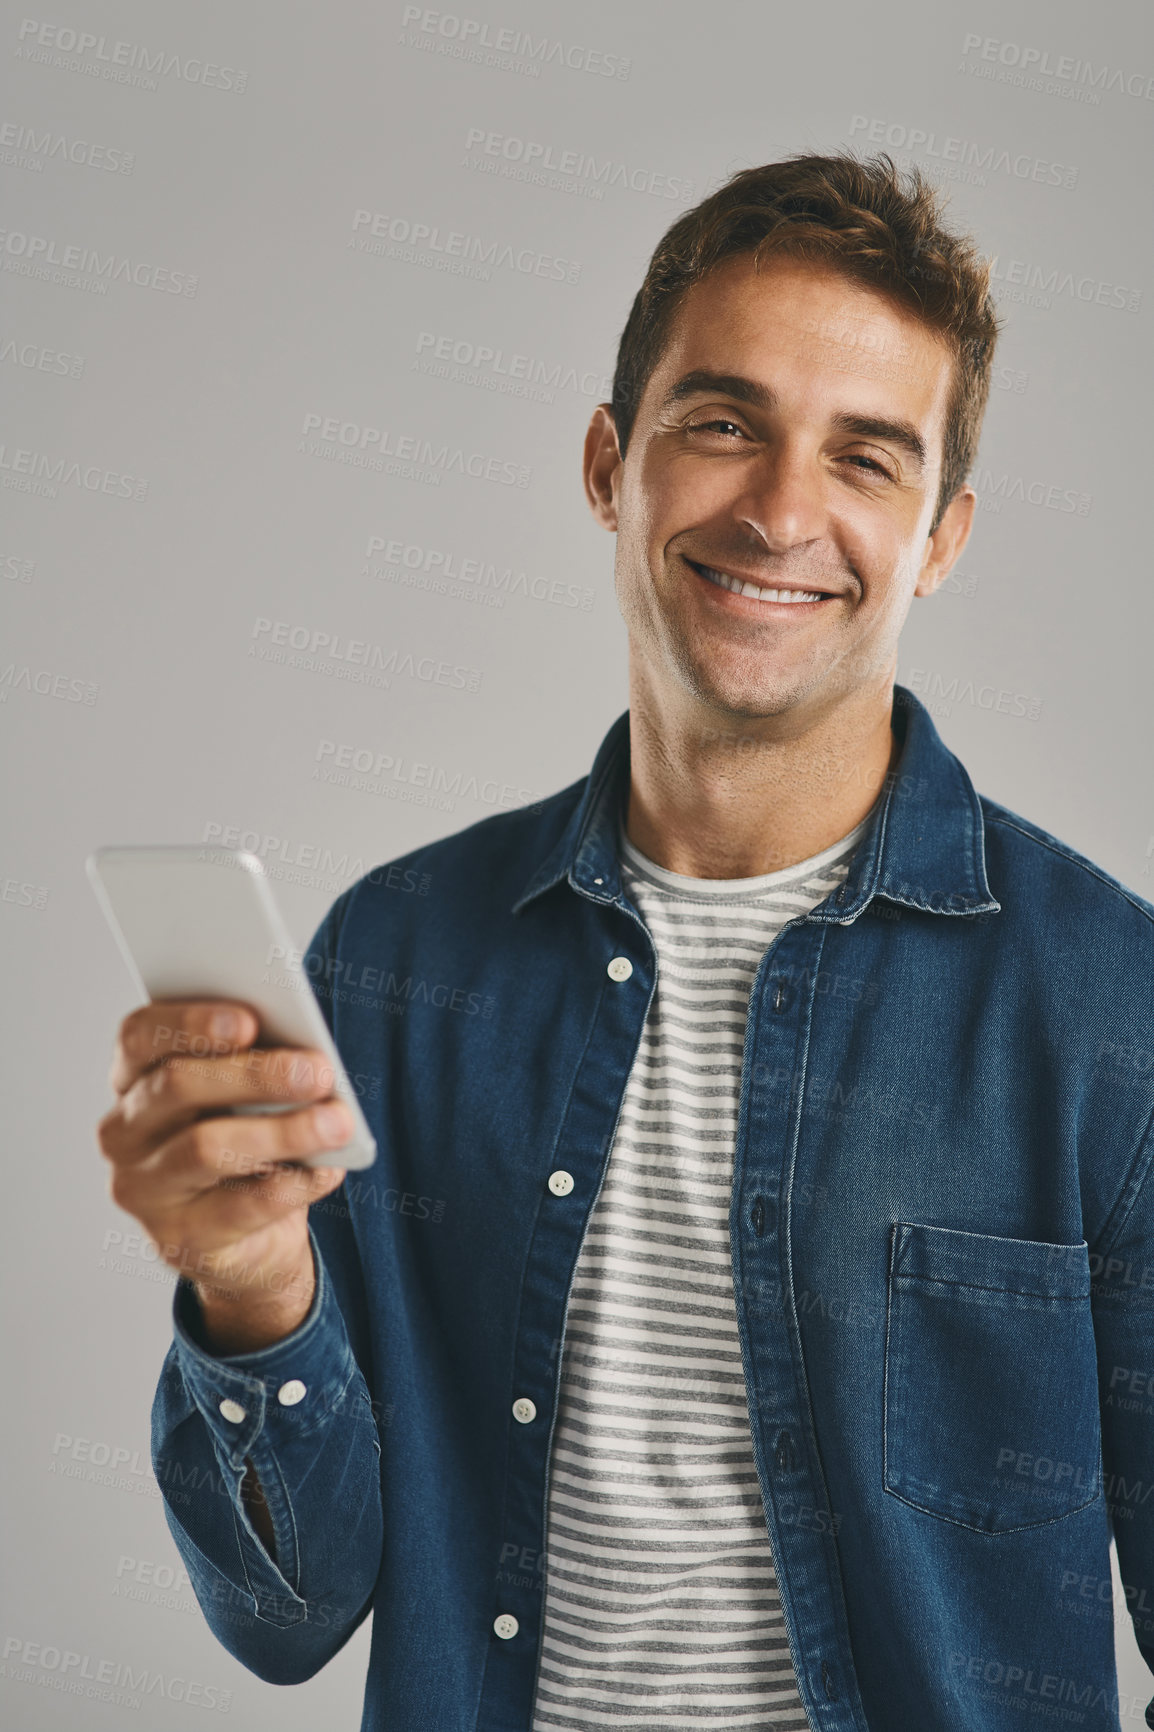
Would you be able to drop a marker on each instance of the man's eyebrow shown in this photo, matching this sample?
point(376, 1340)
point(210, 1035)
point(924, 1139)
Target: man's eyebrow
point(703, 382)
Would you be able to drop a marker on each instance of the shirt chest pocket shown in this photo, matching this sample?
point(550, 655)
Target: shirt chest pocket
point(991, 1391)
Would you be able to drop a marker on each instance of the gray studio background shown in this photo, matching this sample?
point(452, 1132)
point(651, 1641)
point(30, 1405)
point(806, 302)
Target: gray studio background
point(279, 189)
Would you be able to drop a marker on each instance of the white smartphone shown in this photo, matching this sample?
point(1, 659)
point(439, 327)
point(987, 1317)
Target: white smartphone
point(195, 921)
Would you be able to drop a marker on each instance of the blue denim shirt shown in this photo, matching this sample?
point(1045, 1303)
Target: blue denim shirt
point(942, 1228)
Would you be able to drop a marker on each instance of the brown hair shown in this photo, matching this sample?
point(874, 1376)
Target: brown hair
point(854, 216)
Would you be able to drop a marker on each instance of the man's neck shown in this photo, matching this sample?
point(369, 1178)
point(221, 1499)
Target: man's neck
point(730, 798)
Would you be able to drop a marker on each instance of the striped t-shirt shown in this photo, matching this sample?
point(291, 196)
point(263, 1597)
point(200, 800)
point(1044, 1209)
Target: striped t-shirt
point(661, 1602)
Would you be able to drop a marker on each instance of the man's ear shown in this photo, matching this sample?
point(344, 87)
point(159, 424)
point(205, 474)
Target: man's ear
point(603, 464)
point(944, 546)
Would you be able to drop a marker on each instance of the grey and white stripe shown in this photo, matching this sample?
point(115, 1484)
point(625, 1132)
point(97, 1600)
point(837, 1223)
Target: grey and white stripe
point(661, 1602)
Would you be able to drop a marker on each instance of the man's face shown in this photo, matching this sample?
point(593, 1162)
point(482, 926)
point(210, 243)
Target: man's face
point(807, 476)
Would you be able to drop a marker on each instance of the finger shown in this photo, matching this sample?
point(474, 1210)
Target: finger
point(179, 1092)
point(213, 1150)
point(202, 1027)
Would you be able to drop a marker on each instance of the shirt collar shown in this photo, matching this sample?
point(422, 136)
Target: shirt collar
point(924, 847)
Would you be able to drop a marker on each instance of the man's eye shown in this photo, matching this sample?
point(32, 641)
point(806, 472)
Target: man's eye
point(703, 426)
point(873, 464)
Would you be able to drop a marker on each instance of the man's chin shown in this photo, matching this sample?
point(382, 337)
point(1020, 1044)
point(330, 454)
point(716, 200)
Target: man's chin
point(746, 701)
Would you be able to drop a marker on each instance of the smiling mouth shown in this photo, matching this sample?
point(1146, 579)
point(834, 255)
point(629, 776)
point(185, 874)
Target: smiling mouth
point(756, 591)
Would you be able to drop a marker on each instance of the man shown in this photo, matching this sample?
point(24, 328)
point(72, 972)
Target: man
point(764, 1144)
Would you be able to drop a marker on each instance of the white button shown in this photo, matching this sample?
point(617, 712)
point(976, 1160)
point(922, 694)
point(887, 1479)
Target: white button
point(620, 968)
point(560, 1182)
point(505, 1626)
point(291, 1392)
point(524, 1409)
point(233, 1410)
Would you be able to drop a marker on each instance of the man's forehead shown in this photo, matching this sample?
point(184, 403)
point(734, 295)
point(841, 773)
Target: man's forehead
point(836, 323)
point(777, 275)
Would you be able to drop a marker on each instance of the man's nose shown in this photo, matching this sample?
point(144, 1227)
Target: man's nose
point(783, 501)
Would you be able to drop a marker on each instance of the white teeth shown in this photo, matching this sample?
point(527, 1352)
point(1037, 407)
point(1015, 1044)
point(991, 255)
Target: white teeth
point(740, 588)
